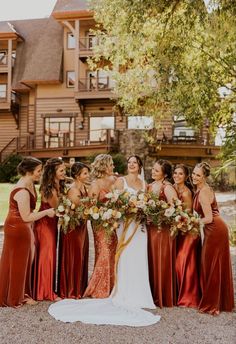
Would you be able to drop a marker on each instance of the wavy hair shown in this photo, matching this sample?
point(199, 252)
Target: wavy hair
point(100, 165)
point(139, 161)
point(186, 171)
point(206, 168)
point(48, 177)
point(166, 168)
point(77, 168)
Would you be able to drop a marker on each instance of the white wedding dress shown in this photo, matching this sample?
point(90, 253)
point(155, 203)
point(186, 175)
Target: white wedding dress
point(131, 294)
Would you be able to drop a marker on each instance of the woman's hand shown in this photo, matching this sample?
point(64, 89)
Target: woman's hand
point(51, 212)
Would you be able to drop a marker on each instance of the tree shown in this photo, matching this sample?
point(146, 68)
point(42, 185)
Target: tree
point(170, 57)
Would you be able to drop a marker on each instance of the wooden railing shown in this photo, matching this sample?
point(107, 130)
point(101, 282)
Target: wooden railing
point(10, 148)
point(4, 61)
point(87, 43)
point(95, 84)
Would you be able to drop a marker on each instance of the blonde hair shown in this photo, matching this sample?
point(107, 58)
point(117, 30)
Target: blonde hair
point(100, 165)
point(206, 168)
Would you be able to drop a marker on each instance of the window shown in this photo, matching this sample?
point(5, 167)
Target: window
point(58, 132)
point(99, 80)
point(91, 40)
point(70, 79)
point(140, 122)
point(101, 128)
point(70, 41)
point(181, 129)
point(3, 90)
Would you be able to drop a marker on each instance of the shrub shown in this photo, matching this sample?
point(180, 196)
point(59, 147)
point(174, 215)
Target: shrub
point(8, 171)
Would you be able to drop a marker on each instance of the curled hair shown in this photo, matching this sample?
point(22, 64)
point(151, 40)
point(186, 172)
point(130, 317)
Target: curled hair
point(48, 178)
point(100, 165)
point(139, 161)
point(186, 171)
point(206, 168)
point(166, 168)
point(28, 164)
point(77, 168)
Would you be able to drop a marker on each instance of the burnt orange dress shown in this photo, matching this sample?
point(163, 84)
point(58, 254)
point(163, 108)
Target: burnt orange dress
point(216, 271)
point(45, 256)
point(102, 280)
point(16, 259)
point(188, 252)
point(74, 249)
point(161, 259)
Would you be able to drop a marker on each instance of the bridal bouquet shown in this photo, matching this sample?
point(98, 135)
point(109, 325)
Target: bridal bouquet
point(155, 209)
point(135, 205)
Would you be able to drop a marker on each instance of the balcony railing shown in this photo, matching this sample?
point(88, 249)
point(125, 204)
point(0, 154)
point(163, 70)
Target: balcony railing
point(87, 43)
point(95, 84)
point(4, 61)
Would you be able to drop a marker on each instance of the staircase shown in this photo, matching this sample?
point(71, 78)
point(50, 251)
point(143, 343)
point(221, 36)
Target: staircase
point(10, 148)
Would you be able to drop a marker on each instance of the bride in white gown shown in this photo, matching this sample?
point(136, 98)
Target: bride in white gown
point(132, 290)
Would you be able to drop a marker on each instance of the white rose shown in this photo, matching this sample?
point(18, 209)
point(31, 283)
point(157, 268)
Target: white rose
point(118, 215)
point(61, 208)
point(95, 216)
point(66, 219)
point(169, 212)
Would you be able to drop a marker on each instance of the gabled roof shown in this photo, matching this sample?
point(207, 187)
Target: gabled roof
point(7, 30)
point(71, 9)
point(39, 56)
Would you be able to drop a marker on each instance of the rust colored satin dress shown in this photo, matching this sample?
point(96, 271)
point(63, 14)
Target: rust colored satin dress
point(74, 262)
point(188, 252)
point(216, 271)
point(161, 260)
point(102, 280)
point(45, 257)
point(16, 259)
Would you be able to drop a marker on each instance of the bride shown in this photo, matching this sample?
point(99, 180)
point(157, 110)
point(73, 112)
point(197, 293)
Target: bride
point(131, 292)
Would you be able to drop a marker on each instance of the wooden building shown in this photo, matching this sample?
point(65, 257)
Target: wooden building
point(51, 104)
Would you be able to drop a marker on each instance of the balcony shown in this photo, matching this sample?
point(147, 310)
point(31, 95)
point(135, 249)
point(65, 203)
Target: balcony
point(37, 147)
point(4, 62)
point(95, 88)
point(186, 147)
point(86, 45)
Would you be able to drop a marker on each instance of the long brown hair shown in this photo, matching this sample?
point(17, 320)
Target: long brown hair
point(48, 178)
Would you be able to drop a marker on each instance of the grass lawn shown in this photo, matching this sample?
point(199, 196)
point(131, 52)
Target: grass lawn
point(5, 190)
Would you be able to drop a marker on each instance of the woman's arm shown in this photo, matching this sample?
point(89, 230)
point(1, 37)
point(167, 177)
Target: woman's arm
point(205, 199)
point(94, 190)
point(22, 198)
point(170, 193)
point(187, 200)
point(119, 184)
point(73, 195)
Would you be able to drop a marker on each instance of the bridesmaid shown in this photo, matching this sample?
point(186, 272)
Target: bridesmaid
point(102, 280)
point(216, 271)
point(188, 246)
point(52, 185)
point(75, 244)
point(18, 246)
point(161, 246)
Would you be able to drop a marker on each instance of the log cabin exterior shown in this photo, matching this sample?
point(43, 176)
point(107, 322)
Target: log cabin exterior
point(51, 104)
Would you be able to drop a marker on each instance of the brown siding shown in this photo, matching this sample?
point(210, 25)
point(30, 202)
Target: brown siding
point(7, 128)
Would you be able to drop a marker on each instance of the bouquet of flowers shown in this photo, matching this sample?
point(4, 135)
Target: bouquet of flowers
point(106, 215)
point(155, 209)
point(69, 215)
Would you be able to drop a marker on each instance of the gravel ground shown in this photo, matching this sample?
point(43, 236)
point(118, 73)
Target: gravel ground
point(33, 324)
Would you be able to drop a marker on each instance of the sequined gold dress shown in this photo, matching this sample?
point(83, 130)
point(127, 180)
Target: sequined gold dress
point(102, 280)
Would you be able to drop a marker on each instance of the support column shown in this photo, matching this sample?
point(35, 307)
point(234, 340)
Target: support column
point(9, 70)
point(76, 34)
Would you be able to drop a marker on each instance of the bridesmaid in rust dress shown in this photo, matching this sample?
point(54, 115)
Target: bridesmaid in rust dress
point(216, 271)
point(188, 246)
point(161, 246)
point(52, 185)
point(102, 280)
point(18, 246)
point(75, 243)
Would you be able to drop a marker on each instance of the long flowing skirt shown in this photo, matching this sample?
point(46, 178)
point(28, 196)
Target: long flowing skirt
point(187, 270)
point(216, 271)
point(74, 263)
point(161, 256)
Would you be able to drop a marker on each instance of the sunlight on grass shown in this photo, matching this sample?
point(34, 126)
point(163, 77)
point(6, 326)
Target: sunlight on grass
point(5, 189)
